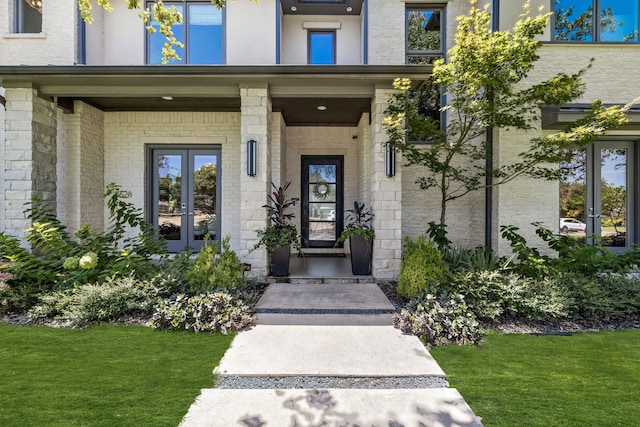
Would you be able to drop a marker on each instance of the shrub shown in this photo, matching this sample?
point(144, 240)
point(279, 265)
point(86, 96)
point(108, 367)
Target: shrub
point(491, 294)
point(216, 312)
point(439, 321)
point(212, 272)
point(421, 267)
point(478, 259)
point(91, 303)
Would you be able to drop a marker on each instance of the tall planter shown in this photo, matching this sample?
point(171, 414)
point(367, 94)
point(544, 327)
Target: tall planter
point(280, 261)
point(361, 254)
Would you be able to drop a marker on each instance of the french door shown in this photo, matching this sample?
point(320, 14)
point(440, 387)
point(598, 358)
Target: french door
point(322, 201)
point(185, 195)
point(599, 192)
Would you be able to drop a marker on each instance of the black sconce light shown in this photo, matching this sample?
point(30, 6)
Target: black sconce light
point(252, 157)
point(390, 161)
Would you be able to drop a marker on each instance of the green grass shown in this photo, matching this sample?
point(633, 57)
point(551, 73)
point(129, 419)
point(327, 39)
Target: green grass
point(103, 376)
point(589, 379)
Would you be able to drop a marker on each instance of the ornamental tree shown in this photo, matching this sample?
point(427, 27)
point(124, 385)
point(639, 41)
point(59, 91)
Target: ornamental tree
point(486, 87)
point(156, 11)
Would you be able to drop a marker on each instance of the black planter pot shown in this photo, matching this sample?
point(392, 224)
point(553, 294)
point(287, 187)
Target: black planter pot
point(280, 261)
point(361, 252)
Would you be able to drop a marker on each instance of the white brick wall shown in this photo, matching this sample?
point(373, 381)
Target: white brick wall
point(126, 135)
point(57, 44)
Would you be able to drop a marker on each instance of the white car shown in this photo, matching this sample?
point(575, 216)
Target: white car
point(571, 224)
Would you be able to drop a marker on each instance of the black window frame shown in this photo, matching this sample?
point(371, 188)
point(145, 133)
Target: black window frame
point(185, 22)
point(442, 117)
point(434, 54)
point(334, 35)
point(596, 27)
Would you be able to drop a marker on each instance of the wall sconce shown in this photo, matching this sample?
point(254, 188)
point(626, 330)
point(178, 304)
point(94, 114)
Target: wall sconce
point(252, 157)
point(390, 161)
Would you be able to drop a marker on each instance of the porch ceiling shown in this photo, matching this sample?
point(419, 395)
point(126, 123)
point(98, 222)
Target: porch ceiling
point(296, 91)
point(321, 7)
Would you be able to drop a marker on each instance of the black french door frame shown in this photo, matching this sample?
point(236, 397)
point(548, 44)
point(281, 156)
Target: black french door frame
point(317, 212)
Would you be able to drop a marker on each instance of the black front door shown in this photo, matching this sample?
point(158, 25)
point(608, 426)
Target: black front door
point(322, 200)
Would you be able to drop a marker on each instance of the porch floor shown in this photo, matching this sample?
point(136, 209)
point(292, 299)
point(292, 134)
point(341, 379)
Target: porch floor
point(321, 268)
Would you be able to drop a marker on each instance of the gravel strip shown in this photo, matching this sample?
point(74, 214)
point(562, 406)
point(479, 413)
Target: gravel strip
point(304, 382)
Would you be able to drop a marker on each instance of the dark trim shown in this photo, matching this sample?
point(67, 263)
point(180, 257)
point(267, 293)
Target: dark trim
point(557, 118)
point(495, 23)
point(365, 32)
point(278, 30)
point(82, 40)
point(3, 101)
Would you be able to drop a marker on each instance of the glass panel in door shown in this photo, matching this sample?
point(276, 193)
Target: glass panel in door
point(205, 186)
point(611, 210)
point(169, 200)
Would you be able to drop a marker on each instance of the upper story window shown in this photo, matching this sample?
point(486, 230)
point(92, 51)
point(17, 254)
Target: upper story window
point(424, 34)
point(28, 16)
point(596, 20)
point(321, 47)
point(201, 32)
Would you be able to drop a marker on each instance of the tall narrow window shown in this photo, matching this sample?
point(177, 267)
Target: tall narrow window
point(28, 16)
point(322, 47)
point(201, 31)
point(424, 35)
point(596, 20)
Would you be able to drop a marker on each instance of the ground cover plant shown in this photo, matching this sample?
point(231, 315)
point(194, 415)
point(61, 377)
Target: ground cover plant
point(586, 379)
point(103, 376)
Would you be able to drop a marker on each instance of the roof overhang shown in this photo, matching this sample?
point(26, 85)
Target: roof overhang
point(558, 118)
point(296, 90)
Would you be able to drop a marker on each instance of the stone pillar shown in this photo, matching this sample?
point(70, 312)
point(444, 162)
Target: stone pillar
point(29, 156)
point(255, 124)
point(386, 196)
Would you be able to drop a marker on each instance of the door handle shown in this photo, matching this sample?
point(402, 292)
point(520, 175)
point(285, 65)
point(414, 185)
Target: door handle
point(594, 216)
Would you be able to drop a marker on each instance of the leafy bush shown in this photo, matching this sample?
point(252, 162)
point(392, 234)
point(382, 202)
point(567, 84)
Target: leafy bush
point(478, 259)
point(603, 296)
point(421, 267)
point(491, 294)
point(91, 303)
point(216, 312)
point(439, 321)
point(212, 272)
point(60, 261)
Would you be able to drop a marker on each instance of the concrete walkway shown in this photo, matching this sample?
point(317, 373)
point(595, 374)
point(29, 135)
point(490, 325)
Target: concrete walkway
point(302, 375)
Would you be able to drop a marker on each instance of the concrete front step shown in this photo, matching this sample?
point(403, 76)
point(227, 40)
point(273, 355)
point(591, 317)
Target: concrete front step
point(327, 351)
point(437, 407)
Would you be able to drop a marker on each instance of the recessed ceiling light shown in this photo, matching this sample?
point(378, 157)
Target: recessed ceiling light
point(293, 8)
point(168, 98)
point(321, 107)
point(349, 9)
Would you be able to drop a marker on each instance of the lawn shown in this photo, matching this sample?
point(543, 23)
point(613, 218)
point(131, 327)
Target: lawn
point(588, 379)
point(103, 376)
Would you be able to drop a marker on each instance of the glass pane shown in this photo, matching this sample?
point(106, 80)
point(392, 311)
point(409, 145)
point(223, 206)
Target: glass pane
point(423, 30)
point(574, 20)
point(321, 46)
point(320, 173)
point(322, 192)
point(29, 16)
point(170, 196)
point(205, 34)
point(613, 196)
point(422, 60)
point(322, 211)
point(204, 196)
point(573, 194)
point(157, 40)
point(322, 231)
point(619, 20)
point(423, 104)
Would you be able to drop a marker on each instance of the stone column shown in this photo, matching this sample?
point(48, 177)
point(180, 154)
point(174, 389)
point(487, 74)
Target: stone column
point(386, 196)
point(255, 124)
point(29, 156)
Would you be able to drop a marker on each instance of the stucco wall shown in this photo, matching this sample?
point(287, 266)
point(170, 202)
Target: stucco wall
point(56, 44)
point(294, 38)
point(127, 133)
point(251, 32)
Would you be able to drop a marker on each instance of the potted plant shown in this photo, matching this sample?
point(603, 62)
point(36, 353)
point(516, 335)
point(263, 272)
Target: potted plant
point(360, 233)
point(279, 235)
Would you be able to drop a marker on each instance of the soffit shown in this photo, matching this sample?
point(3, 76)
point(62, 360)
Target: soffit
point(321, 7)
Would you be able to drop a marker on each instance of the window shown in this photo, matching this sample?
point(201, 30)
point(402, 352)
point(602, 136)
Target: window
point(424, 35)
point(425, 116)
point(200, 31)
point(28, 16)
point(613, 20)
point(321, 47)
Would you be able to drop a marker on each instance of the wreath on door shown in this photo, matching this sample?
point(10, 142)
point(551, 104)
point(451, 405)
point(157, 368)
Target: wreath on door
point(321, 190)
